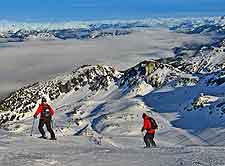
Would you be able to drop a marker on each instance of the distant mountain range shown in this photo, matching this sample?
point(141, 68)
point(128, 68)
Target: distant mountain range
point(15, 32)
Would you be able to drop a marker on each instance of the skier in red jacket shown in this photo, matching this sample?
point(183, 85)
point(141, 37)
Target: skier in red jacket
point(46, 112)
point(149, 136)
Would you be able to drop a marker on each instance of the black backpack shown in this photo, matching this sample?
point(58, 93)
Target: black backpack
point(153, 123)
point(46, 111)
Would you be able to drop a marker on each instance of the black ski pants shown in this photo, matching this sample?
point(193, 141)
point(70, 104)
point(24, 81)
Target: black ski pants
point(47, 123)
point(149, 140)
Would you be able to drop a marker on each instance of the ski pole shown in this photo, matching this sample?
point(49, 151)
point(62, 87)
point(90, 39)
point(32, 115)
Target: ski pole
point(31, 132)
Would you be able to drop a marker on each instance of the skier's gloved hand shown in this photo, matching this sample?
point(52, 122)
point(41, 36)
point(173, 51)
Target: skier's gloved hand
point(35, 117)
point(142, 129)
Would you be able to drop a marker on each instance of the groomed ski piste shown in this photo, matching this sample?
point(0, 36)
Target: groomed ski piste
point(98, 113)
point(123, 146)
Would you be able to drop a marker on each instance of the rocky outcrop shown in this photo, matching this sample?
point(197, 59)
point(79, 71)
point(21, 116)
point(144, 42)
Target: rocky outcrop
point(153, 72)
point(204, 59)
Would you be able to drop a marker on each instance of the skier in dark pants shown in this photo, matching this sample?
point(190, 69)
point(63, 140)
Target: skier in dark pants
point(46, 112)
point(149, 136)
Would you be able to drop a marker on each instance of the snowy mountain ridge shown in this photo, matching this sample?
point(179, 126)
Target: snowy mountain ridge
point(24, 100)
point(6, 26)
point(202, 59)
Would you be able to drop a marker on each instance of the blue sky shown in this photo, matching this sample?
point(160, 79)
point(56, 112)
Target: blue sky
point(64, 10)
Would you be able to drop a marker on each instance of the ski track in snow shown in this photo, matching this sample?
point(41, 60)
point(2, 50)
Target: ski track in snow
point(78, 151)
